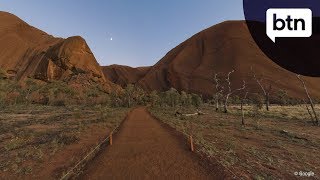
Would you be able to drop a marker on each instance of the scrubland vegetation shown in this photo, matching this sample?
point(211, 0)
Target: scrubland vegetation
point(258, 137)
point(47, 127)
point(41, 122)
point(272, 145)
point(33, 136)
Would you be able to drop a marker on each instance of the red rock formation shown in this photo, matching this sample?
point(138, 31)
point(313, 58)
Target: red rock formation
point(221, 48)
point(28, 52)
point(123, 75)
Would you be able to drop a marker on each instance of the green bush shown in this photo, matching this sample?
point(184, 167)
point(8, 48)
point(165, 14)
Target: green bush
point(172, 97)
point(154, 99)
point(196, 100)
point(57, 91)
point(257, 100)
point(235, 99)
point(282, 97)
point(186, 99)
point(3, 74)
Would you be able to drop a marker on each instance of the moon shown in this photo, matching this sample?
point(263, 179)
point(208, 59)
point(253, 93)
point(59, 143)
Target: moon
point(110, 39)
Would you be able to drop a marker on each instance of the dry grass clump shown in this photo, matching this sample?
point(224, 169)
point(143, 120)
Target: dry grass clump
point(272, 145)
point(32, 134)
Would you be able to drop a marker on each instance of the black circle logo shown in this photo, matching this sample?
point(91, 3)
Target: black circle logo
point(288, 32)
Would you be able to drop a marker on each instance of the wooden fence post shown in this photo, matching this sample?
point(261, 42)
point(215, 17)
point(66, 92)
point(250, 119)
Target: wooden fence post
point(111, 139)
point(191, 143)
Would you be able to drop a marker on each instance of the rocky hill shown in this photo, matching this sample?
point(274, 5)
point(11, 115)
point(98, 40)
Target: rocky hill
point(221, 48)
point(29, 52)
point(123, 75)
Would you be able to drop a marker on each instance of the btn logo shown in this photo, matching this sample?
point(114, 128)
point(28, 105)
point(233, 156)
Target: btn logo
point(288, 23)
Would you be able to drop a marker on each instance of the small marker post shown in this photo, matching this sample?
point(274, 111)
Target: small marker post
point(191, 143)
point(111, 139)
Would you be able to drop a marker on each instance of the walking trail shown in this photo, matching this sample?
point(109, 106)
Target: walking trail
point(144, 149)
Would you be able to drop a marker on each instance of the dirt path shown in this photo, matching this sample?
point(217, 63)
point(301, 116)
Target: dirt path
point(143, 149)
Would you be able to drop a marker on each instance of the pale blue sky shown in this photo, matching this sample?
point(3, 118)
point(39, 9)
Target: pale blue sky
point(142, 31)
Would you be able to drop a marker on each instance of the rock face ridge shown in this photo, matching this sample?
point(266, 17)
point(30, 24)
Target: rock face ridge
point(221, 48)
point(123, 75)
point(28, 52)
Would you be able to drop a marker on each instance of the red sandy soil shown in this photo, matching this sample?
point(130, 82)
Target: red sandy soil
point(271, 147)
point(144, 149)
point(72, 154)
point(62, 161)
point(220, 48)
point(44, 142)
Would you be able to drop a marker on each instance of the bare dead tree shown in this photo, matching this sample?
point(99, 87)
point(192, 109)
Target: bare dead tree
point(230, 91)
point(242, 103)
point(309, 112)
point(310, 100)
point(219, 90)
point(265, 89)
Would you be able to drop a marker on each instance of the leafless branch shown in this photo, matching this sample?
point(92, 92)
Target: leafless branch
point(228, 80)
point(239, 89)
point(266, 90)
point(230, 91)
point(309, 98)
point(242, 111)
point(219, 89)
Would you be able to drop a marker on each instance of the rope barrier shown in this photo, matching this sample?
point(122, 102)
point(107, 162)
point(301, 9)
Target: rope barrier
point(185, 134)
point(70, 171)
point(64, 177)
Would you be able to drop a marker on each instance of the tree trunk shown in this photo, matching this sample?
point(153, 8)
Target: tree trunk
point(314, 112)
point(129, 103)
point(242, 112)
point(267, 101)
point(217, 103)
point(226, 104)
point(312, 119)
point(310, 100)
point(27, 95)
